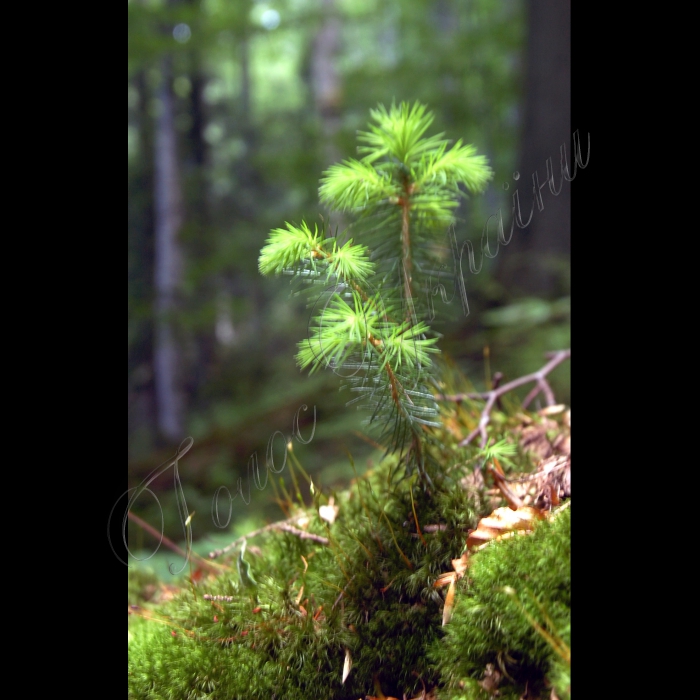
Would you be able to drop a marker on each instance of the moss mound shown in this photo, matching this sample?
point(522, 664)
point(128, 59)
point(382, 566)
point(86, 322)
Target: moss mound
point(361, 595)
point(511, 624)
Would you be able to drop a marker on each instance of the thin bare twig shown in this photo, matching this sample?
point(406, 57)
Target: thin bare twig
point(514, 501)
point(342, 593)
point(170, 544)
point(225, 598)
point(492, 396)
point(281, 525)
point(218, 552)
point(495, 383)
point(302, 534)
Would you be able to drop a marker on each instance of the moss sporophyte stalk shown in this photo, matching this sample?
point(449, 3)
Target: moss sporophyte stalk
point(344, 599)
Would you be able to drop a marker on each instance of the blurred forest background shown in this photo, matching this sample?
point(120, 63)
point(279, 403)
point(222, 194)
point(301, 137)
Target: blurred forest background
point(236, 108)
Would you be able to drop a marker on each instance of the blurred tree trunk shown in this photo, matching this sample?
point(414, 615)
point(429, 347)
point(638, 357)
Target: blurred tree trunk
point(251, 191)
point(168, 264)
point(248, 177)
point(536, 259)
point(245, 85)
point(327, 92)
point(141, 398)
point(201, 238)
point(325, 82)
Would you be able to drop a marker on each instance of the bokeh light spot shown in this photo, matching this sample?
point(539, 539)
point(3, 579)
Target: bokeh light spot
point(270, 19)
point(182, 33)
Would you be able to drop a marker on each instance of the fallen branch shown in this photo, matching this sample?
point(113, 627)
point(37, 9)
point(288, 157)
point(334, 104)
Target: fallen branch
point(541, 384)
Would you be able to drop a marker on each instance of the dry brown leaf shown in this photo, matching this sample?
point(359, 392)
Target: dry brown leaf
point(460, 566)
point(552, 410)
point(552, 481)
point(449, 603)
point(503, 522)
point(444, 579)
point(533, 435)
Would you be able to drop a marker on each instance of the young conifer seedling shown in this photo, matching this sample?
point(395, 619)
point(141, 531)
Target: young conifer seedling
point(369, 321)
point(350, 600)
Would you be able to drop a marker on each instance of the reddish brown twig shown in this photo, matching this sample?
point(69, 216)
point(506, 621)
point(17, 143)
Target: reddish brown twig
point(541, 384)
point(514, 502)
point(171, 545)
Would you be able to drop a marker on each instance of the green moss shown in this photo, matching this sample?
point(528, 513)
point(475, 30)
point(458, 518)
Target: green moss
point(494, 625)
point(143, 583)
point(274, 641)
point(264, 644)
point(177, 667)
point(284, 645)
